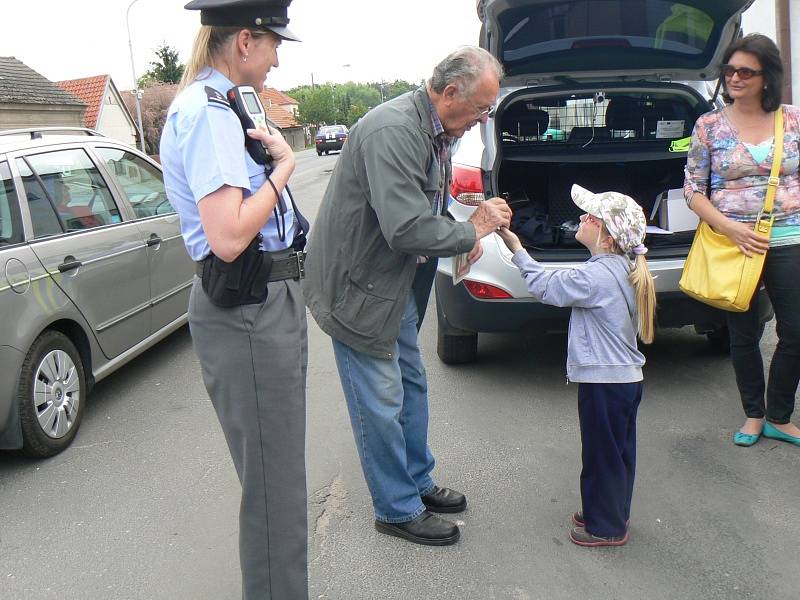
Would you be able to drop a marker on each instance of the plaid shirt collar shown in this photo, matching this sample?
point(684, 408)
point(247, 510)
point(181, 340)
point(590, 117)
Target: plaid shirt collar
point(439, 136)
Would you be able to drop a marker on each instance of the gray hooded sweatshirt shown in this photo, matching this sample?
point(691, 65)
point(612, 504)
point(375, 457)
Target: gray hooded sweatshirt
point(602, 329)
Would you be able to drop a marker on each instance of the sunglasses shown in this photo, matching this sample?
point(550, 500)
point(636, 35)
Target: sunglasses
point(744, 73)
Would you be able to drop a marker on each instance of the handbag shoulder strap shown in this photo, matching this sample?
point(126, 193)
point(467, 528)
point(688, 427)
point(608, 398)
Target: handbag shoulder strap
point(777, 159)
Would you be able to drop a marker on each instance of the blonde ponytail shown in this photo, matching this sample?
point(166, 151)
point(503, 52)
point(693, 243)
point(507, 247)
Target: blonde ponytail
point(645, 290)
point(208, 45)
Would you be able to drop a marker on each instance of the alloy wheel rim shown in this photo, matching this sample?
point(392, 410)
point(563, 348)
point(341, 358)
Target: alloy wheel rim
point(56, 394)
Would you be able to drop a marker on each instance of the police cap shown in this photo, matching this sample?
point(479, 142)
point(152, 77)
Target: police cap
point(258, 14)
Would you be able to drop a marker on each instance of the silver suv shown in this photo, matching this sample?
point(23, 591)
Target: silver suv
point(93, 271)
point(602, 93)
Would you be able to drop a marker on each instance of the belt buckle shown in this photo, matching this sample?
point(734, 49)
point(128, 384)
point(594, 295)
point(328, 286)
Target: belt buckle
point(300, 257)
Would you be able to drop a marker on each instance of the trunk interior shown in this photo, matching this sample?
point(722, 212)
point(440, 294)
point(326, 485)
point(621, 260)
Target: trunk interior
point(617, 141)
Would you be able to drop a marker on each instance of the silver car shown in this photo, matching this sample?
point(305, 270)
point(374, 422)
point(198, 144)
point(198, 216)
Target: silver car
point(93, 271)
point(602, 93)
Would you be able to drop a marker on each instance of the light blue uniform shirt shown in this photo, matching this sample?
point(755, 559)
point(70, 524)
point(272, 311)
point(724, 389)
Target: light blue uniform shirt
point(202, 149)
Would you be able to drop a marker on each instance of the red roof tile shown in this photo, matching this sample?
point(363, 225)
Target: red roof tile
point(274, 97)
point(89, 90)
point(281, 117)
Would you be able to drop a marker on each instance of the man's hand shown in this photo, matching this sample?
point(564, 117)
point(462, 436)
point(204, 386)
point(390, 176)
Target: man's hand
point(489, 216)
point(475, 254)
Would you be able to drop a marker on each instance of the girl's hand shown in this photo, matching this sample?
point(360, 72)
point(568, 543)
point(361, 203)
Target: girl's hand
point(742, 235)
point(511, 240)
point(273, 141)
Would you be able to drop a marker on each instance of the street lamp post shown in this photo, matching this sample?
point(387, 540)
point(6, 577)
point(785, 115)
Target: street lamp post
point(136, 92)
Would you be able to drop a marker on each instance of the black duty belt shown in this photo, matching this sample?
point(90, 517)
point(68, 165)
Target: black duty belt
point(288, 267)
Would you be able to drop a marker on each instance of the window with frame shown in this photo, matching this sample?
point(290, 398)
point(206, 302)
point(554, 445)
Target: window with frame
point(142, 183)
point(10, 226)
point(70, 183)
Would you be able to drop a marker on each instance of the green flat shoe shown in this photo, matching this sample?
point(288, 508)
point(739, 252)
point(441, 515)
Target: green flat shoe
point(745, 439)
point(772, 432)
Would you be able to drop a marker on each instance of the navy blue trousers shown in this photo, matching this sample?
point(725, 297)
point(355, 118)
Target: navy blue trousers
point(607, 413)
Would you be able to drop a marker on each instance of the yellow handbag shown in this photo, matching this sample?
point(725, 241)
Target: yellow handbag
point(716, 272)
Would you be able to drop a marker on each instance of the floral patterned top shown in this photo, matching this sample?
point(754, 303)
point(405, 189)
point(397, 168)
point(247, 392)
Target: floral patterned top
point(738, 181)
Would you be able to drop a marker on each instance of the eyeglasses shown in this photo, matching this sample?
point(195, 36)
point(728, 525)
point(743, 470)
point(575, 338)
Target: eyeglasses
point(482, 112)
point(744, 73)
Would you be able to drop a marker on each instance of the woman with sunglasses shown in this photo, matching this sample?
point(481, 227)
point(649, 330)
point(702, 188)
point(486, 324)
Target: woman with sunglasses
point(727, 172)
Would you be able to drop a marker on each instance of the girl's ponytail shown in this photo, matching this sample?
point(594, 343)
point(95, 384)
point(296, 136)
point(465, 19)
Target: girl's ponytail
point(645, 291)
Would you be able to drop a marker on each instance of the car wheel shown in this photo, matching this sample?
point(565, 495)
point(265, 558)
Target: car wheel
point(457, 349)
point(319, 153)
point(51, 395)
point(720, 339)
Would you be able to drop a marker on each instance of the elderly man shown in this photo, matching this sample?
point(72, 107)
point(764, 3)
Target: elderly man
point(369, 270)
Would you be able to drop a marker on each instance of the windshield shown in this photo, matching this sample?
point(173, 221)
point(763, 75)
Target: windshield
point(332, 129)
point(580, 35)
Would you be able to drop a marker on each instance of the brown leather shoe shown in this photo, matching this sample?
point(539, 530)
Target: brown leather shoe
point(427, 529)
point(581, 537)
point(445, 500)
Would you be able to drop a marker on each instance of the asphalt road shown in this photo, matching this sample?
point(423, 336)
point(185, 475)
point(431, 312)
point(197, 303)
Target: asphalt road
point(144, 504)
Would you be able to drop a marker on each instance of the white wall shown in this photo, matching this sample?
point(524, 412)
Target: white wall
point(113, 122)
point(760, 18)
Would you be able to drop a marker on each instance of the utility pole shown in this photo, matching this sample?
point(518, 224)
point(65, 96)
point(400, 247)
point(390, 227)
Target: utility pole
point(136, 90)
point(783, 30)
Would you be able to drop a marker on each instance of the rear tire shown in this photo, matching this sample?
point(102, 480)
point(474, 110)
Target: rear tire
point(319, 153)
point(456, 349)
point(51, 395)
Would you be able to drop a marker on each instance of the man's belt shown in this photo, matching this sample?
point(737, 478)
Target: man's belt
point(288, 267)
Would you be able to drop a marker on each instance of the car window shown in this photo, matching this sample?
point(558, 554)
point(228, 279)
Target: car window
point(10, 229)
point(600, 34)
point(44, 218)
point(142, 182)
point(75, 189)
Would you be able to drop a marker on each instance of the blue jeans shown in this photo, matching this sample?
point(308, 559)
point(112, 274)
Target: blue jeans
point(388, 405)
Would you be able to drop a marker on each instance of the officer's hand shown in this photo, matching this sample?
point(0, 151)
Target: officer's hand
point(489, 215)
point(273, 141)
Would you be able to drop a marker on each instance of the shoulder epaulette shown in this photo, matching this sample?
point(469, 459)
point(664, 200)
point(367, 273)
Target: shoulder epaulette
point(216, 97)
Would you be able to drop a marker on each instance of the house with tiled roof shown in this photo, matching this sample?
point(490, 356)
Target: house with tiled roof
point(105, 110)
point(273, 97)
point(28, 99)
point(282, 110)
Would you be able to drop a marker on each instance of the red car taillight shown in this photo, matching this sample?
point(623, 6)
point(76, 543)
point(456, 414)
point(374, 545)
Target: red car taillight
point(467, 186)
point(484, 291)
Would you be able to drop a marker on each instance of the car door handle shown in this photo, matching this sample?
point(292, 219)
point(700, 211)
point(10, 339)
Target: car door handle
point(69, 264)
point(153, 240)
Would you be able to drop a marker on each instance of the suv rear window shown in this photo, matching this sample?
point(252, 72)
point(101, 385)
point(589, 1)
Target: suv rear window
point(583, 35)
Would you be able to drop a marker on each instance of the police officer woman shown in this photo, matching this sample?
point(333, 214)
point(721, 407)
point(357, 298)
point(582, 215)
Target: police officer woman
point(246, 312)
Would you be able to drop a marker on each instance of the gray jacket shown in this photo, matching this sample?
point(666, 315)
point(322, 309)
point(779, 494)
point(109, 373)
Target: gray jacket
point(376, 218)
point(602, 329)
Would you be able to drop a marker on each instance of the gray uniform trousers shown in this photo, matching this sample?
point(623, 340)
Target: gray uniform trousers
point(254, 360)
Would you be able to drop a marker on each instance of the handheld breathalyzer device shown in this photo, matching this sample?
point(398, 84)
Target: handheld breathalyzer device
point(246, 104)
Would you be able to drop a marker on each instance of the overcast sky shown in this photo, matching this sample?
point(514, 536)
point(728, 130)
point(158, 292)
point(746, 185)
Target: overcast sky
point(378, 39)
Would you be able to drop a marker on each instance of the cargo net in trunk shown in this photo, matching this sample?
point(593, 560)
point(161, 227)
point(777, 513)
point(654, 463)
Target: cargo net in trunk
point(595, 118)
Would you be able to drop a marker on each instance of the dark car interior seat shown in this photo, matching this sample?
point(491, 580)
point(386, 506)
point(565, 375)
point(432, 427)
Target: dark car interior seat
point(525, 120)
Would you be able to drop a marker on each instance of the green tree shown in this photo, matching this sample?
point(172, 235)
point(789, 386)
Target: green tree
point(317, 104)
point(167, 69)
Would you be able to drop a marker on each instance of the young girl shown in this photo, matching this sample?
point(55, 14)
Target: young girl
point(612, 299)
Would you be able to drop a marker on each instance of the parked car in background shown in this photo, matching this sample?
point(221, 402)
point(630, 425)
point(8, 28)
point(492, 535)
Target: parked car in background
point(93, 271)
point(330, 137)
point(595, 93)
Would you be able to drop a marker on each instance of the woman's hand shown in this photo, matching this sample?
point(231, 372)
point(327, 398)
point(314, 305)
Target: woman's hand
point(273, 141)
point(744, 237)
point(511, 240)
